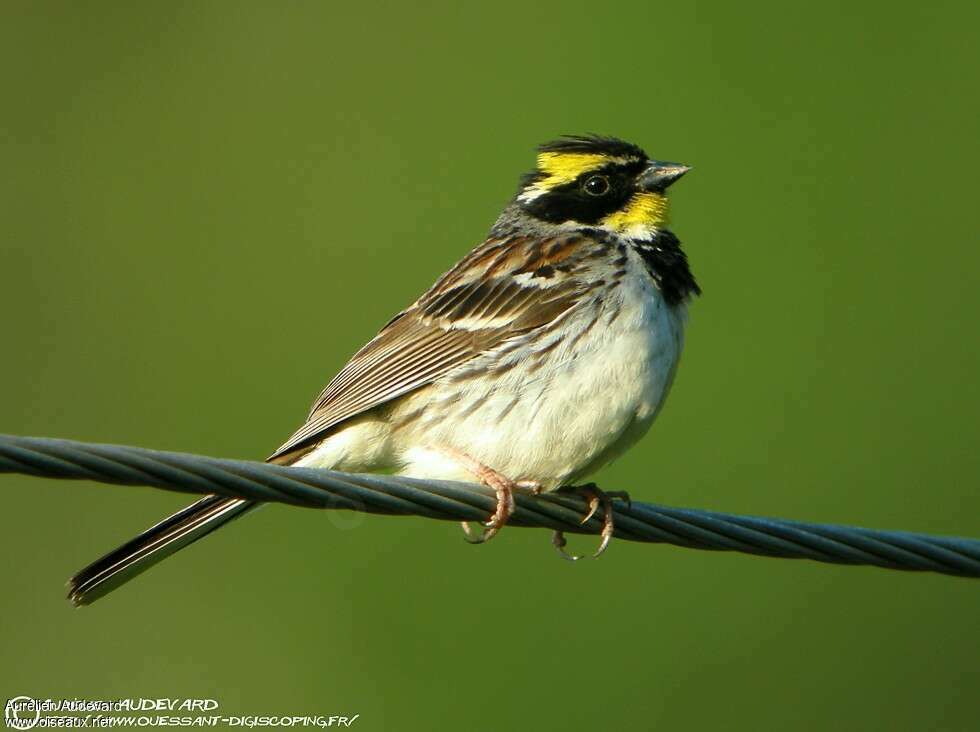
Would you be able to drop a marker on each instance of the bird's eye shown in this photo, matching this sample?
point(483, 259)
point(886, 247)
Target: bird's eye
point(596, 185)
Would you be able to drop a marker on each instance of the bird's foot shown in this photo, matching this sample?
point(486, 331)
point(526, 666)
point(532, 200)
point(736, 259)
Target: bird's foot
point(596, 498)
point(503, 486)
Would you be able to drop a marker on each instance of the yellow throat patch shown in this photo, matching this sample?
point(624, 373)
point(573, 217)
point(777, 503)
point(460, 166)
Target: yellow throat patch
point(645, 210)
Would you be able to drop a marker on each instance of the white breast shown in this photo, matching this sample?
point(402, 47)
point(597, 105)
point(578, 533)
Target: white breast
point(555, 421)
point(551, 420)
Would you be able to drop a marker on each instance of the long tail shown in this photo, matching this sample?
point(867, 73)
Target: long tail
point(155, 544)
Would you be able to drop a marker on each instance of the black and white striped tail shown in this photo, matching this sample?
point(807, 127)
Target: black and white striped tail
point(153, 545)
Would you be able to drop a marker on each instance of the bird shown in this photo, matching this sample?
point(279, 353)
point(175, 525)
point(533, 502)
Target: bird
point(542, 355)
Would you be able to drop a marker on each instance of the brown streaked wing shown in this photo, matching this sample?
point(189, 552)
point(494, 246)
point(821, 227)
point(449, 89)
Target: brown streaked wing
point(474, 307)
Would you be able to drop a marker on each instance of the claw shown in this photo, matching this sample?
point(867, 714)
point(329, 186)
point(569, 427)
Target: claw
point(607, 534)
point(596, 498)
point(474, 538)
point(593, 507)
point(621, 495)
point(558, 541)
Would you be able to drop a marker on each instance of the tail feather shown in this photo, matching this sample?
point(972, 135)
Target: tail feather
point(153, 545)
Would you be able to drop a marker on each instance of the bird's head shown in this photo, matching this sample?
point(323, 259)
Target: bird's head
point(599, 182)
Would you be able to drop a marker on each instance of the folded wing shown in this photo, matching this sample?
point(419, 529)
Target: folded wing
point(504, 288)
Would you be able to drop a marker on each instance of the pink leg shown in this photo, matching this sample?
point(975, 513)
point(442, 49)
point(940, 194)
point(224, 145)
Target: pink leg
point(504, 488)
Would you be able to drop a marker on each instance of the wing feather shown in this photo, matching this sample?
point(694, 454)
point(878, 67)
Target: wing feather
point(473, 308)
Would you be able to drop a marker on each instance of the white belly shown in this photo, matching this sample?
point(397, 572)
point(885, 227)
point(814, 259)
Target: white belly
point(551, 421)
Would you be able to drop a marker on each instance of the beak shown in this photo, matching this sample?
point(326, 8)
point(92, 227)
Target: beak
point(660, 175)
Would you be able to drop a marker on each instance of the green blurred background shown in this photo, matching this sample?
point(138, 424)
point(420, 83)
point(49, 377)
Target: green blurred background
point(206, 207)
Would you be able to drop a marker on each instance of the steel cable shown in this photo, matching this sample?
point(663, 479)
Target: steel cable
point(383, 494)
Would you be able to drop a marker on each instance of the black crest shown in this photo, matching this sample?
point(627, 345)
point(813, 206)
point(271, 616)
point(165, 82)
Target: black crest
point(596, 144)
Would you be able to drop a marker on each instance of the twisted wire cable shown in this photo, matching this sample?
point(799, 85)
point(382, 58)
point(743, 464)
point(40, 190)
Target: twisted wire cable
point(383, 494)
